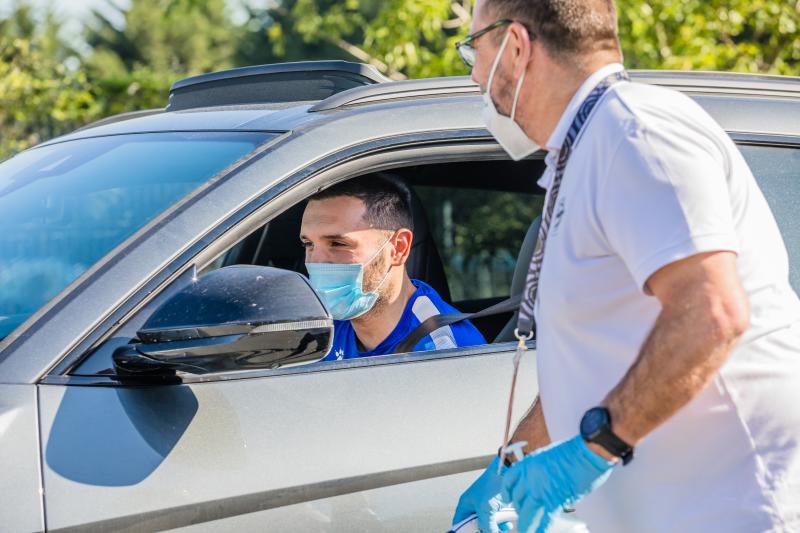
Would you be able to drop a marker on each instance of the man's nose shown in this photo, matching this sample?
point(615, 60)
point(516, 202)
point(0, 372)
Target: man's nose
point(477, 80)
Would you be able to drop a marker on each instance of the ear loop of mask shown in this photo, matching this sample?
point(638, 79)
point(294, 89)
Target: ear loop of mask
point(494, 70)
point(385, 276)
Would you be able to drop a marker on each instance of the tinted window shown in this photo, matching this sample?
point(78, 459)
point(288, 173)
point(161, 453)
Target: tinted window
point(63, 207)
point(777, 170)
point(479, 234)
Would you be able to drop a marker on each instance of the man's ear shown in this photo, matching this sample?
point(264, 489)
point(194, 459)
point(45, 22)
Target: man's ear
point(403, 240)
point(520, 44)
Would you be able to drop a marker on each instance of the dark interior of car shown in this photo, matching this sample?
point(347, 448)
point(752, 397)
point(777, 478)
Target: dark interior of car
point(277, 243)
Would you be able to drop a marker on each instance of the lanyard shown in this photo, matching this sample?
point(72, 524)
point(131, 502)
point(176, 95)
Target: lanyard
point(524, 331)
point(525, 322)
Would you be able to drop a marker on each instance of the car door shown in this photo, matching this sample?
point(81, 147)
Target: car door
point(374, 446)
point(380, 444)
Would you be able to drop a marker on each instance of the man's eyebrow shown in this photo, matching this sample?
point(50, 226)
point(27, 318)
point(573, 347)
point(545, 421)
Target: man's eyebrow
point(336, 236)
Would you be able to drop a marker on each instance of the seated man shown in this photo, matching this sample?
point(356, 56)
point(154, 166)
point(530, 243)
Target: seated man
point(357, 238)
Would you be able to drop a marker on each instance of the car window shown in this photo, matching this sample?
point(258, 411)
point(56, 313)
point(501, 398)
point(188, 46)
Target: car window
point(479, 234)
point(64, 206)
point(777, 170)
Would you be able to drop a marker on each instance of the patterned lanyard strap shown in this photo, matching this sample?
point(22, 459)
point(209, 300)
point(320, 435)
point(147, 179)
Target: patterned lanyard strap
point(525, 322)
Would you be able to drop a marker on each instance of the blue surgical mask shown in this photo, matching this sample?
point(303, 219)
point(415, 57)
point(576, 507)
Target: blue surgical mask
point(341, 287)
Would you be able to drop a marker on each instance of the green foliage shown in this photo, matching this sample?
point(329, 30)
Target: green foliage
point(402, 38)
point(39, 97)
point(160, 42)
point(736, 35)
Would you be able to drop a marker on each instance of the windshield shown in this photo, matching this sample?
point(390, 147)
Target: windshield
point(63, 207)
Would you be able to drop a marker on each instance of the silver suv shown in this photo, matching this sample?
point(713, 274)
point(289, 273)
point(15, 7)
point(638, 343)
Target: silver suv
point(159, 361)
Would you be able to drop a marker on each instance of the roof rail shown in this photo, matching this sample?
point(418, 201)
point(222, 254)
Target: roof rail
point(275, 83)
point(687, 81)
point(397, 90)
point(698, 81)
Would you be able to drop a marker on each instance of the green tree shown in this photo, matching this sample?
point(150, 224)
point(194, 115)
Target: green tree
point(402, 38)
point(415, 38)
point(40, 97)
point(132, 67)
point(735, 35)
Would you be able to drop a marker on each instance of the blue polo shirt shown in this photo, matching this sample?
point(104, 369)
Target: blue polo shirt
point(423, 304)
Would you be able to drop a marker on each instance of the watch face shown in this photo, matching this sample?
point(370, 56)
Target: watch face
point(593, 421)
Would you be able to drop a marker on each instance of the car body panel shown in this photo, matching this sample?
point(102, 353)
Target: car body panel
point(248, 445)
point(20, 494)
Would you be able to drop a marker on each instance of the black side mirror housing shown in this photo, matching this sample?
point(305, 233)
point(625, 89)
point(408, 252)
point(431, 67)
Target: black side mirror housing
point(234, 318)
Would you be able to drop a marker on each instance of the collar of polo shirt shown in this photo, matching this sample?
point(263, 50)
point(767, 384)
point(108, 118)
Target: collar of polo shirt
point(556, 139)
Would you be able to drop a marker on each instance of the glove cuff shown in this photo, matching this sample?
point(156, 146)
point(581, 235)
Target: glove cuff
point(594, 459)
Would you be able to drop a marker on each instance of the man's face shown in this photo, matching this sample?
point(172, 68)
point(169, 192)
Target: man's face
point(333, 230)
point(487, 47)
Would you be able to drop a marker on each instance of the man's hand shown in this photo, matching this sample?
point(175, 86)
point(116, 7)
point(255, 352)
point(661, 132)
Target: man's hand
point(545, 481)
point(483, 499)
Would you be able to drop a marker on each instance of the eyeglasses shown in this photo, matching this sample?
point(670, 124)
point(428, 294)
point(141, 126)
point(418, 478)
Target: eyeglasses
point(468, 52)
point(465, 48)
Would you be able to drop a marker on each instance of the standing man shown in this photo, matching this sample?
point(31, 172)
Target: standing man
point(667, 327)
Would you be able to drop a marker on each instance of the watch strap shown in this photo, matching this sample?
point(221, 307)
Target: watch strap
point(614, 445)
point(599, 432)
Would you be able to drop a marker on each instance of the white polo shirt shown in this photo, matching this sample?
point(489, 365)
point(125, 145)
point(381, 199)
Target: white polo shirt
point(653, 179)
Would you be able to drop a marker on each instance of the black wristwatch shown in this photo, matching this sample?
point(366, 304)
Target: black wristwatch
point(596, 428)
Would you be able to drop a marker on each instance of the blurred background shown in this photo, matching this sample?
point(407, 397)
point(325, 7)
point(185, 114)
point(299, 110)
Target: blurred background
point(64, 64)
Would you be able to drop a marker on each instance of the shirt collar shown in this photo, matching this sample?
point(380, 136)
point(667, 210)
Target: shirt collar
point(560, 133)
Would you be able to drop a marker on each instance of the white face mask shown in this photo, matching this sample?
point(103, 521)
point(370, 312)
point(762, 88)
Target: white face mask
point(507, 132)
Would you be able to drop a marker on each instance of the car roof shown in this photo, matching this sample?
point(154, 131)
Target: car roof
point(252, 99)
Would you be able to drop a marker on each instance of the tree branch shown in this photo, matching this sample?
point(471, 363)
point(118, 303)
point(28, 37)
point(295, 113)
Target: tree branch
point(363, 56)
point(462, 16)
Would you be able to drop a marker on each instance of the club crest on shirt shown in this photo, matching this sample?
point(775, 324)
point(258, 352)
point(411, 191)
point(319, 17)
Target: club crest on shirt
point(339, 354)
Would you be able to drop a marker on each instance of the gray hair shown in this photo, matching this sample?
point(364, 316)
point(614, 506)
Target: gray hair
point(567, 28)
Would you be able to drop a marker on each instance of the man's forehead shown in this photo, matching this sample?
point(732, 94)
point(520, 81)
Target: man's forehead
point(337, 215)
point(479, 15)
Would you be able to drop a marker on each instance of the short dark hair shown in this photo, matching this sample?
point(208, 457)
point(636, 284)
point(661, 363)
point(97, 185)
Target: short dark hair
point(387, 199)
point(566, 27)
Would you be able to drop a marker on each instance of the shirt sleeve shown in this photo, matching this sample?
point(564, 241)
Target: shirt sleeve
point(665, 197)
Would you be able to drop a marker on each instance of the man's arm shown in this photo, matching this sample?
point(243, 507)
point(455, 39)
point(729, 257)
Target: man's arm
point(704, 312)
point(532, 428)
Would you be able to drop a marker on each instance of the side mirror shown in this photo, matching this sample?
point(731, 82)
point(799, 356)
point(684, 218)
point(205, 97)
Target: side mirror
point(234, 318)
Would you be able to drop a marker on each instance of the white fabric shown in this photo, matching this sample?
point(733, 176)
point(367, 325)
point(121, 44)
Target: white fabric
point(653, 180)
point(442, 337)
point(505, 129)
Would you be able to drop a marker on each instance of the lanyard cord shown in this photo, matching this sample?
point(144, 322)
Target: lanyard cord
point(524, 331)
point(525, 322)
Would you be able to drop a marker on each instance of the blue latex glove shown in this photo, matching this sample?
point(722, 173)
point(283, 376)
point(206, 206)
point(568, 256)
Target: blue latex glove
point(546, 480)
point(483, 499)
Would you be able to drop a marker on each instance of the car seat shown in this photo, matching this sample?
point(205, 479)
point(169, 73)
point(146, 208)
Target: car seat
point(519, 277)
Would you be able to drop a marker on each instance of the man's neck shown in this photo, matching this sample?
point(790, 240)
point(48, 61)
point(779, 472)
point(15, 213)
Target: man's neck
point(551, 96)
point(373, 328)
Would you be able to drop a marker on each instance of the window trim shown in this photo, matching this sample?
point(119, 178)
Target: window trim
point(375, 155)
point(764, 139)
point(313, 368)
